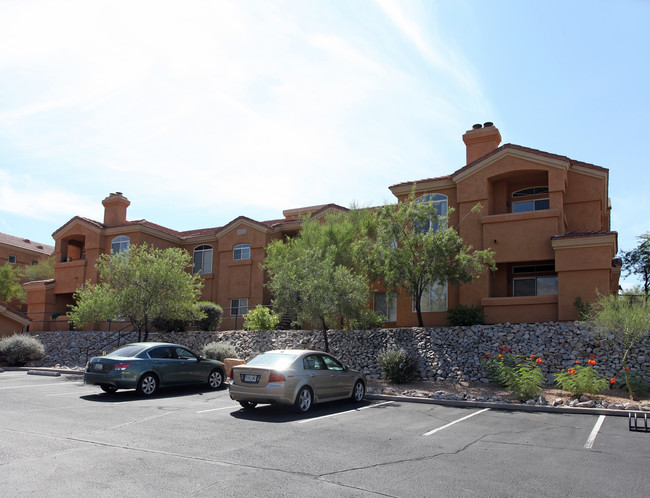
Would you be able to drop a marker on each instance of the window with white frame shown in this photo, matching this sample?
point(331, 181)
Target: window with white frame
point(383, 305)
point(434, 298)
point(537, 199)
point(441, 204)
point(202, 260)
point(241, 251)
point(534, 280)
point(12, 259)
point(239, 307)
point(120, 244)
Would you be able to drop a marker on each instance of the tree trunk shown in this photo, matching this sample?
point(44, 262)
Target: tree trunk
point(325, 338)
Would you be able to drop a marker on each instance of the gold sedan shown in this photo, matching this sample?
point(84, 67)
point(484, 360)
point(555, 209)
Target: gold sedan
point(295, 377)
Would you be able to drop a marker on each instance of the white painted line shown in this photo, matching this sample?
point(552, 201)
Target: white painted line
point(594, 432)
point(455, 422)
point(27, 386)
point(133, 422)
point(75, 393)
point(217, 409)
point(343, 413)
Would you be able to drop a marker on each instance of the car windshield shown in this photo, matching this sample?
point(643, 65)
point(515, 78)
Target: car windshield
point(273, 360)
point(128, 351)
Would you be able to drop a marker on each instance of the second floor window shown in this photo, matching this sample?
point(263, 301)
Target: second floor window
point(441, 205)
point(534, 280)
point(202, 260)
point(530, 199)
point(241, 251)
point(120, 244)
point(12, 260)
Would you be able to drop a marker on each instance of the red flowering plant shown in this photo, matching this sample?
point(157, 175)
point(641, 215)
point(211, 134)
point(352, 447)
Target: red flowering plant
point(581, 379)
point(519, 373)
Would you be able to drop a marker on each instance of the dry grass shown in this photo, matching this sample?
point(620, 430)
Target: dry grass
point(478, 389)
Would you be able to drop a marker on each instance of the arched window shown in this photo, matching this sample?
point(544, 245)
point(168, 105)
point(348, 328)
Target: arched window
point(241, 251)
point(120, 244)
point(441, 205)
point(202, 259)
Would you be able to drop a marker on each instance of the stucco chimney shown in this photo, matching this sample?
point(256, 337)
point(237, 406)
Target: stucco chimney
point(481, 140)
point(115, 209)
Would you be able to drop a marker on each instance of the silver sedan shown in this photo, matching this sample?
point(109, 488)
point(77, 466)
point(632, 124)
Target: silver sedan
point(295, 377)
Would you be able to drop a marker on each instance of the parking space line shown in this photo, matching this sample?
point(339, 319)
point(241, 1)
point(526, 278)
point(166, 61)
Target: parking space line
point(4, 388)
point(133, 422)
point(455, 422)
point(342, 413)
point(594, 432)
point(217, 409)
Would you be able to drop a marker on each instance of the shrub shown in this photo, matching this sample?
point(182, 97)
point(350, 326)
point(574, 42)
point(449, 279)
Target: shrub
point(170, 324)
point(18, 350)
point(398, 365)
point(636, 384)
point(367, 320)
point(213, 313)
point(462, 315)
point(219, 351)
point(261, 318)
point(519, 374)
point(584, 309)
point(580, 380)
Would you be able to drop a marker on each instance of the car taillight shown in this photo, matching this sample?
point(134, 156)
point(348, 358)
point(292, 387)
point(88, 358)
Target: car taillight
point(120, 366)
point(277, 377)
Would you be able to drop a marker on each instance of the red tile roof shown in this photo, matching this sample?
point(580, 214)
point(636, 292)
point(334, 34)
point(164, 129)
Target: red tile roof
point(26, 244)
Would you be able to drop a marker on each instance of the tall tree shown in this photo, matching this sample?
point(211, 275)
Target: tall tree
point(140, 285)
point(409, 246)
point(637, 261)
point(43, 270)
point(306, 281)
point(10, 287)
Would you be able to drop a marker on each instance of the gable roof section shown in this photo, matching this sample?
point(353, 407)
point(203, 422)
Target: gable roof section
point(553, 160)
point(14, 315)
point(26, 244)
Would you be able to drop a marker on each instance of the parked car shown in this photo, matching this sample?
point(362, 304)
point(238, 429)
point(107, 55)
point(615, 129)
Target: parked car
point(294, 377)
point(147, 366)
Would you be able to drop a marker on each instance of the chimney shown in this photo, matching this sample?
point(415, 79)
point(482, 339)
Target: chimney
point(481, 140)
point(115, 209)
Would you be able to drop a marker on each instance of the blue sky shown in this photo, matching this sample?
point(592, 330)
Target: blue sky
point(201, 111)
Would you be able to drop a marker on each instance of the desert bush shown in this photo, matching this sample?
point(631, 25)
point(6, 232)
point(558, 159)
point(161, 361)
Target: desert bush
point(19, 349)
point(520, 374)
point(219, 351)
point(462, 315)
point(213, 314)
point(367, 320)
point(398, 365)
point(580, 380)
point(261, 318)
point(170, 324)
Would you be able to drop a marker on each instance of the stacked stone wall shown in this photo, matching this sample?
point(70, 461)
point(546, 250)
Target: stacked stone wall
point(444, 353)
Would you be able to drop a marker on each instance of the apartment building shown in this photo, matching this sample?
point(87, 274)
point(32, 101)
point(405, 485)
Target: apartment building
point(545, 216)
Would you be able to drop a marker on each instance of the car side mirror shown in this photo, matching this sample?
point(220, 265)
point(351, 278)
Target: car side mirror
point(347, 368)
point(201, 358)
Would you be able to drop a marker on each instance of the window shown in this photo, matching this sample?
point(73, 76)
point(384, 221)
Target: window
point(526, 283)
point(12, 260)
point(441, 206)
point(530, 204)
point(239, 307)
point(202, 260)
point(332, 364)
point(385, 306)
point(120, 244)
point(313, 362)
point(241, 251)
point(434, 298)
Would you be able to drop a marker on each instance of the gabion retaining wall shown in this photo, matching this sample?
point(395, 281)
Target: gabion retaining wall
point(445, 353)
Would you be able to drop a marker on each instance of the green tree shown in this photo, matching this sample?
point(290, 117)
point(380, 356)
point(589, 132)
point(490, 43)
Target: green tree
point(637, 261)
point(623, 323)
point(410, 246)
point(140, 285)
point(10, 287)
point(42, 270)
point(307, 282)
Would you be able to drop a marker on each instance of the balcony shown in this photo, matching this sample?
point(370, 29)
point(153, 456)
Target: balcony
point(69, 275)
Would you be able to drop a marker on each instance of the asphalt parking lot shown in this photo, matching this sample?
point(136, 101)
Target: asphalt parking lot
point(59, 437)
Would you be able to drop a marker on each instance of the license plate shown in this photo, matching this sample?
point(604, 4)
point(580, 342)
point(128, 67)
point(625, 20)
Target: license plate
point(99, 366)
point(250, 378)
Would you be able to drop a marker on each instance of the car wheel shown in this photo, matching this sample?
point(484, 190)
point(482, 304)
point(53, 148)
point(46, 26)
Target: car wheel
point(148, 384)
point(303, 400)
point(108, 389)
point(359, 392)
point(247, 405)
point(215, 379)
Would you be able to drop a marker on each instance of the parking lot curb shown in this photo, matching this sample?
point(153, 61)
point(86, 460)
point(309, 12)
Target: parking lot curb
point(41, 370)
point(506, 406)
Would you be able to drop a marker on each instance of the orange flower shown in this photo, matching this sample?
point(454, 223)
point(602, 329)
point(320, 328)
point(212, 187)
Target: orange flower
point(571, 371)
point(577, 362)
point(539, 360)
point(613, 381)
point(592, 362)
point(627, 369)
point(500, 356)
point(532, 356)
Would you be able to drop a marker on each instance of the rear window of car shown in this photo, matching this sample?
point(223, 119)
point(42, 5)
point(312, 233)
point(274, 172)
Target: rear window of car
point(128, 351)
point(273, 360)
